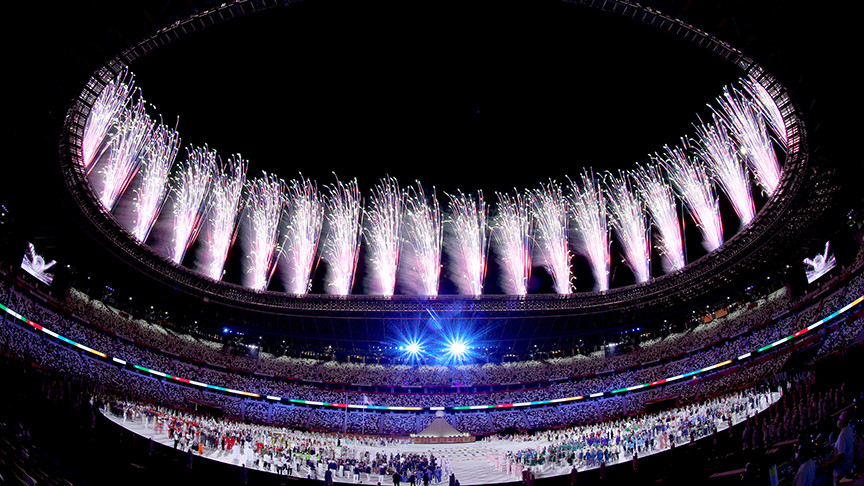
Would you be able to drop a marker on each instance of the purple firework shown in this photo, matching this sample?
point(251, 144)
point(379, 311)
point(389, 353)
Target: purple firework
point(344, 215)
point(511, 230)
point(265, 202)
point(383, 235)
point(190, 197)
point(549, 210)
point(220, 228)
point(467, 244)
point(423, 237)
point(629, 220)
point(588, 209)
point(302, 231)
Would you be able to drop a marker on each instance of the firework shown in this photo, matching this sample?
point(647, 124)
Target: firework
point(660, 200)
point(220, 229)
point(511, 231)
point(748, 126)
point(265, 201)
point(468, 244)
point(690, 178)
point(302, 230)
point(134, 129)
point(720, 153)
point(628, 219)
point(424, 236)
point(549, 210)
point(384, 224)
point(344, 231)
point(156, 162)
point(191, 189)
point(768, 107)
point(104, 114)
point(588, 208)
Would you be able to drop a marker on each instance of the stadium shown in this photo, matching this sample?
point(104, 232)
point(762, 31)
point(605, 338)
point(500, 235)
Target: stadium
point(483, 243)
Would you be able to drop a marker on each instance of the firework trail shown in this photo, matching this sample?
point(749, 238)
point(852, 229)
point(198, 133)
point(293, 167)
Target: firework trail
point(720, 153)
point(344, 210)
point(549, 210)
point(768, 107)
point(384, 220)
point(220, 229)
point(265, 201)
point(156, 162)
point(627, 217)
point(660, 200)
point(748, 125)
point(424, 235)
point(588, 208)
point(690, 178)
point(190, 197)
point(467, 245)
point(134, 129)
point(512, 228)
point(104, 113)
point(302, 231)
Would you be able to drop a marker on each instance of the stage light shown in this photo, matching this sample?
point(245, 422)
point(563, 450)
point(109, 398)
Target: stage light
point(456, 348)
point(413, 348)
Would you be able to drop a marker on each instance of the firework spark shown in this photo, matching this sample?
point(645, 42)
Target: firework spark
point(628, 219)
point(344, 231)
point(467, 245)
point(748, 125)
point(660, 200)
point(768, 107)
point(265, 201)
point(384, 219)
point(191, 190)
point(134, 130)
point(720, 153)
point(549, 209)
point(588, 208)
point(220, 229)
point(424, 236)
point(156, 162)
point(302, 231)
point(690, 178)
point(511, 231)
point(104, 114)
